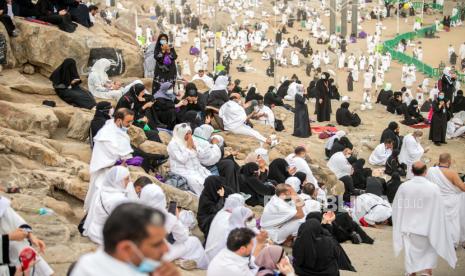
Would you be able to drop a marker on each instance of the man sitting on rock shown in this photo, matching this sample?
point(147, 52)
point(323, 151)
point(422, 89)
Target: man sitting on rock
point(111, 144)
point(235, 119)
point(282, 215)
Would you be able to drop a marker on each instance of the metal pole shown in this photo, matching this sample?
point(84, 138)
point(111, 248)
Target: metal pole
point(275, 69)
point(398, 13)
point(200, 33)
point(332, 16)
point(344, 18)
point(422, 10)
point(355, 17)
point(215, 45)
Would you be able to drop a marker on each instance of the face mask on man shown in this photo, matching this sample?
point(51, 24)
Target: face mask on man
point(251, 224)
point(146, 265)
point(441, 97)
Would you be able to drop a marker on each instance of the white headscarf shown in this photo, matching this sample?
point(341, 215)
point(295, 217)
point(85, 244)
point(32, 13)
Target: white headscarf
point(219, 138)
point(294, 182)
point(233, 201)
point(100, 68)
point(153, 196)
point(179, 133)
point(114, 180)
point(446, 71)
point(339, 134)
point(221, 83)
point(204, 132)
point(239, 216)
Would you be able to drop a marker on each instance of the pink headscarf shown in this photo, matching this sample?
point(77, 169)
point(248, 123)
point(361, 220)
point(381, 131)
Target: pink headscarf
point(268, 259)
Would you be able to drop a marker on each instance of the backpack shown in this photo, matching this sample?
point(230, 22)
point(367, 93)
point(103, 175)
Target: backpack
point(356, 121)
point(177, 181)
point(278, 125)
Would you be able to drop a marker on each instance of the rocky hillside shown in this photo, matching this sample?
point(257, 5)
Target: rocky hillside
point(44, 151)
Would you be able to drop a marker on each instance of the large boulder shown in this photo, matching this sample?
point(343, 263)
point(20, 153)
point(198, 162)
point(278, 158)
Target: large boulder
point(29, 118)
point(79, 125)
point(137, 136)
point(29, 47)
point(153, 147)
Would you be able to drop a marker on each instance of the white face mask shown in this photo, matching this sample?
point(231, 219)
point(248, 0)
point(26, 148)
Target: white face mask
point(170, 92)
point(251, 224)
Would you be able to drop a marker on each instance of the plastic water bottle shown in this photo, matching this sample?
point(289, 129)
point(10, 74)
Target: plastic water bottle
point(45, 212)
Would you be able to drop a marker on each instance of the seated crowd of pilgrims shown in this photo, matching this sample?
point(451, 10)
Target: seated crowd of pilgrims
point(296, 208)
point(65, 14)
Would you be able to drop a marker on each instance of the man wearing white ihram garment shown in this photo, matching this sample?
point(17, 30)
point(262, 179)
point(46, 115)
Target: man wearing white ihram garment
point(411, 150)
point(111, 144)
point(381, 153)
point(452, 188)
point(419, 224)
point(234, 118)
point(282, 214)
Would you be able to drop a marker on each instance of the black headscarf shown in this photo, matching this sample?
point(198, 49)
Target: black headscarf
point(374, 186)
point(136, 89)
point(392, 186)
point(278, 170)
point(251, 94)
point(65, 73)
point(412, 107)
point(301, 176)
point(314, 253)
point(210, 202)
point(345, 105)
point(282, 90)
point(393, 125)
point(250, 169)
point(314, 215)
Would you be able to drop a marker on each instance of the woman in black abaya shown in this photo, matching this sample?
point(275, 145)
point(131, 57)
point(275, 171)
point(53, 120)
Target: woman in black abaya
point(66, 83)
point(278, 170)
point(437, 131)
point(250, 184)
point(323, 100)
point(301, 121)
point(343, 260)
point(282, 90)
point(314, 252)
point(211, 201)
point(165, 63)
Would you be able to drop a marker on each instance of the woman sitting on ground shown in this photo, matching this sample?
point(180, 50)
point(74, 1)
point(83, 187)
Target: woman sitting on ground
point(412, 115)
point(66, 82)
point(346, 118)
point(100, 85)
point(49, 11)
point(394, 166)
point(251, 184)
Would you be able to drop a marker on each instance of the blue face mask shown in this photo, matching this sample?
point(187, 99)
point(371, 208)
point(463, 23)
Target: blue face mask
point(125, 129)
point(441, 97)
point(163, 42)
point(146, 265)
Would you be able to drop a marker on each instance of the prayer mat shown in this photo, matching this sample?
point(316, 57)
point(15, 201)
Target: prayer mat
point(320, 129)
point(420, 126)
